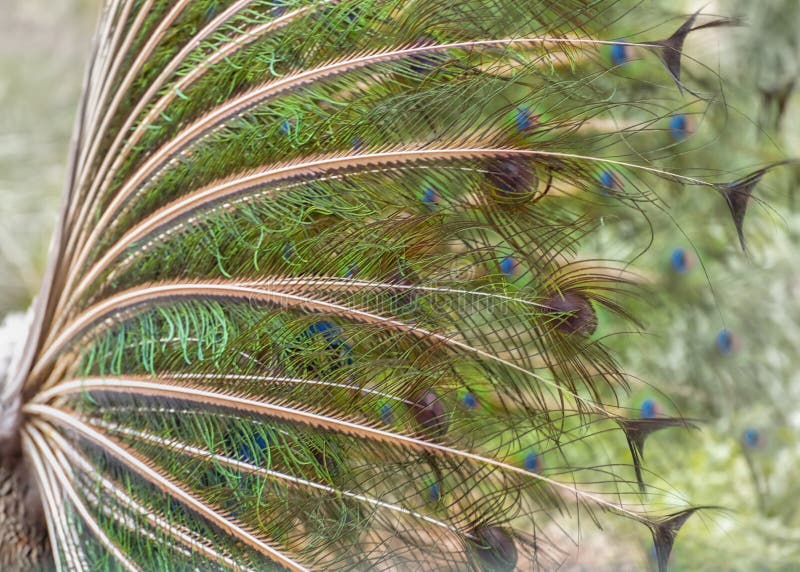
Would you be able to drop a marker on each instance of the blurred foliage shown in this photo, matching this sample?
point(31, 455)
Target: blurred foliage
point(43, 47)
point(721, 325)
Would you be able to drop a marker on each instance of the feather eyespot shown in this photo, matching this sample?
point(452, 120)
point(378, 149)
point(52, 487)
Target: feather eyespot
point(515, 181)
point(532, 462)
point(430, 413)
point(289, 251)
point(619, 54)
point(494, 548)
point(324, 327)
point(680, 127)
point(337, 351)
point(357, 143)
point(253, 455)
point(470, 401)
point(576, 313)
point(751, 438)
point(609, 182)
point(353, 14)
point(525, 120)
point(387, 416)
point(430, 197)
point(649, 409)
point(434, 493)
point(727, 342)
point(681, 260)
point(509, 266)
point(278, 7)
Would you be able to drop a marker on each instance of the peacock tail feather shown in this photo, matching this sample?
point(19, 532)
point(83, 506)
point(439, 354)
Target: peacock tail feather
point(322, 294)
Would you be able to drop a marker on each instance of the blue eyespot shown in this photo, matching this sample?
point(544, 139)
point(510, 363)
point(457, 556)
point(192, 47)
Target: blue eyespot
point(751, 438)
point(608, 182)
point(679, 127)
point(524, 120)
point(508, 266)
point(386, 414)
point(331, 332)
point(286, 127)
point(531, 462)
point(325, 327)
point(619, 54)
point(288, 251)
point(248, 455)
point(279, 7)
point(679, 260)
point(649, 409)
point(352, 14)
point(726, 342)
point(357, 143)
point(430, 197)
point(434, 493)
point(470, 401)
point(230, 504)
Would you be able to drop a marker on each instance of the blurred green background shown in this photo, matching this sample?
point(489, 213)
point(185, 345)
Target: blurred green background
point(44, 45)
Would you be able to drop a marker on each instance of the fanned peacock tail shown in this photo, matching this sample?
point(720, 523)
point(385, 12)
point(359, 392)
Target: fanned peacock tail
point(320, 295)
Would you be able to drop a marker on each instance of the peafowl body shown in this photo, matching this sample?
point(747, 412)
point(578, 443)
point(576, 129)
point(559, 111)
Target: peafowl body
point(321, 297)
